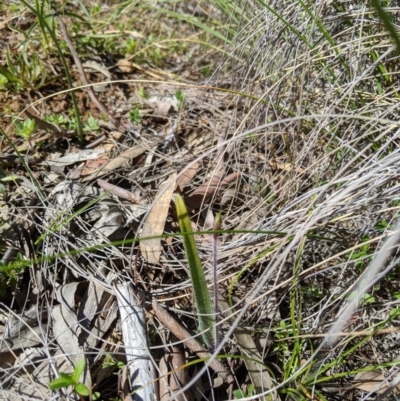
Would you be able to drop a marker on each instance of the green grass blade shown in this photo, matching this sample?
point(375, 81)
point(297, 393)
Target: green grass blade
point(202, 297)
point(386, 19)
point(199, 24)
point(45, 27)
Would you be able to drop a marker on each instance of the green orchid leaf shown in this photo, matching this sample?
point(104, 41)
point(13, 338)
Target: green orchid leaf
point(61, 382)
point(79, 368)
point(82, 389)
point(205, 310)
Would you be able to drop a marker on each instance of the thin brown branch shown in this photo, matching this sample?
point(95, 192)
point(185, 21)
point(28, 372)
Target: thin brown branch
point(183, 335)
point(100, 106)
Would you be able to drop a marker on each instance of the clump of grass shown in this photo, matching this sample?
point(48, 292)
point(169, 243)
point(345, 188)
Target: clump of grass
point(322, 132)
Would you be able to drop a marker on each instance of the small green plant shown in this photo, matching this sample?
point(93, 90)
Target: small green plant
point(141, 92)
point(65, 380)
point(206, 70)
point(69, 123)
point(384, 225)
point(239, 394)
point(109, 361)
point(57, 119)
point(91, 125)
point(205, 311)
point(134, 116)
point(180, 96)
point(9, 79)
point(365, 299)
point(130, 46)
point(29, 72)
point(361, 255)
point(25, 129)
point(3, 82)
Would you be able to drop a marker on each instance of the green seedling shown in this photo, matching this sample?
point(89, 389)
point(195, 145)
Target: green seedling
point(361, 255)
point(364, 300)
point(205, 311)
point(141, 92)
point(9, 78)
point(91, 125)
point(130, 46)
point(65, 380)
point(180, 96)
point(57, 119)
point(134, 116)
point(3, 82)
point(109, 361)
point(25, 129)
point(206, 70)
point(239, 394)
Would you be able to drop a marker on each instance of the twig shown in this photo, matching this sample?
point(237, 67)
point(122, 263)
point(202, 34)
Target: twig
point(96, 142)
point(183, 335)
point(120, 192)
point(113, 122)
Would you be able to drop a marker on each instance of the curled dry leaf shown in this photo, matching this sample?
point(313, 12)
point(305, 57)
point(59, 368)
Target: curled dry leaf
point(125, 65)
point(92, 166)
point(162, 108)
point(117, 162)
point(187, 176)
point(206, 191)
point(155, 221)
point(92, 65)
point(72, 158)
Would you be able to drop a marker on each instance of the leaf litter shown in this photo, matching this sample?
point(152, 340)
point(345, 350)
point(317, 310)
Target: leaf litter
point(68, 302)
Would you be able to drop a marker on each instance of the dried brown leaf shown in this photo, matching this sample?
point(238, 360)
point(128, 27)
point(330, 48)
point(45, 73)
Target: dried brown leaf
point(155, 221)
point(117, 162)
point(190, 342)
point(162, 108)
point(187, 176)
point(173, 376)
point(372, 381)
point(125, 65)
point(91, 166)
point(206, 191)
